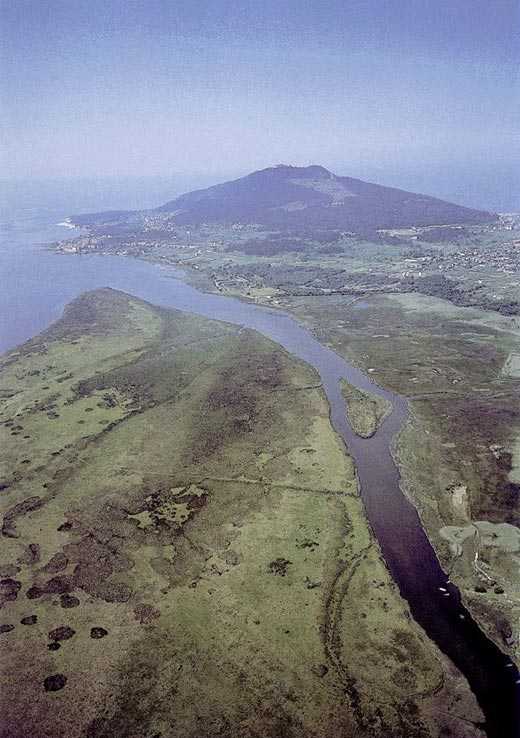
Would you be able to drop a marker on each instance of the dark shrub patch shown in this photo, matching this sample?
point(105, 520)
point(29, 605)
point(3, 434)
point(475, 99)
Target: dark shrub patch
point(55, 682)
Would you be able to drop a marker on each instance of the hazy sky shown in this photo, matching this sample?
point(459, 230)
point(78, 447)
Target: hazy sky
point(159, 86)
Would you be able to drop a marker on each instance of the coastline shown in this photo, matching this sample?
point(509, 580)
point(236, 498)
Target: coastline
point(202, 282)
point(317, 490)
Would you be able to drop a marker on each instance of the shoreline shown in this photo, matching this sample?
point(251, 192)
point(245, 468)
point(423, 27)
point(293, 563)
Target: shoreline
point(203, 284)
point(199, 280)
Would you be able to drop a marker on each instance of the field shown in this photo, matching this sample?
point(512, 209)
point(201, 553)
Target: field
point(184, 551)
point(472, 266)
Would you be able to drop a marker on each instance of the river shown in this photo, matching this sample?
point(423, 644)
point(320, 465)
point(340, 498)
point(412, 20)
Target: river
point(37, 283)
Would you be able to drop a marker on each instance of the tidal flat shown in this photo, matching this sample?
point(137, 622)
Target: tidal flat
point(184, 551)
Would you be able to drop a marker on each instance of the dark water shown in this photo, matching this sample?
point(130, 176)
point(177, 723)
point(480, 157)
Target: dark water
point(38, 283)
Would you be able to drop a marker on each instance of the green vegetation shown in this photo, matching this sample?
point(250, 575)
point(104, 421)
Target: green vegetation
point(291, 231)
point(365, 411)
point(459, 453)
point(184, 551)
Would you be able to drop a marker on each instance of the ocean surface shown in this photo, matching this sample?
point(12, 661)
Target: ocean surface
point(37, 283)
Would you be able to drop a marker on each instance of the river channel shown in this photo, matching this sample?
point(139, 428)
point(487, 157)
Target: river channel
point(38, 283)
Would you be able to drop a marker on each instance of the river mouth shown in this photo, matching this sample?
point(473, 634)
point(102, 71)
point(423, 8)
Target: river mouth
point(434, 601)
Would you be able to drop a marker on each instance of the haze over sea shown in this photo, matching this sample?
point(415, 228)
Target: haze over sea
point(36, 282)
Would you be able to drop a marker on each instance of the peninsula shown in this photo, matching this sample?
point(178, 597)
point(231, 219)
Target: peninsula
point(180, 519)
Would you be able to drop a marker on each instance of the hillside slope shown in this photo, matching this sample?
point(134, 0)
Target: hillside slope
point(294, 196)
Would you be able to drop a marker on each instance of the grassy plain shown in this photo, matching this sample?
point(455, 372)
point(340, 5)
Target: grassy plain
point(471, 266)
point(184, 551)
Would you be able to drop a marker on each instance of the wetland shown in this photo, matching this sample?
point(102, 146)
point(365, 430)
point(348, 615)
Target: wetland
point(127, 385)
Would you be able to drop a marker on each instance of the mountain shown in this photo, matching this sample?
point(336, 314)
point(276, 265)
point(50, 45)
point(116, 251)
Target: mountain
point(288, 196)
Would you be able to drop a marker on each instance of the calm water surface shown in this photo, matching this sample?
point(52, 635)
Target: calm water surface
point(36, 284)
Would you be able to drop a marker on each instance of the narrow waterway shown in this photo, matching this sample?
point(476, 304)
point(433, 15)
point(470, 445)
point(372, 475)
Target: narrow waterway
point(410, 558)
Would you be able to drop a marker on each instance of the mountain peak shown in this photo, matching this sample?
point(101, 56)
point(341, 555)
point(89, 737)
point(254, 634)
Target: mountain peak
point(291, 170)
point(287, 196)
